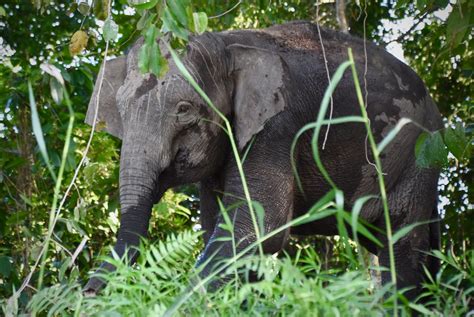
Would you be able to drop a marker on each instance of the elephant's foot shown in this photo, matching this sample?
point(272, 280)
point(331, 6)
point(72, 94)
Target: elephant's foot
point(93, 287)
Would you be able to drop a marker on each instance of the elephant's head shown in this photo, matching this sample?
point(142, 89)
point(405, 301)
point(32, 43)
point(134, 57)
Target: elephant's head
point(170, 136)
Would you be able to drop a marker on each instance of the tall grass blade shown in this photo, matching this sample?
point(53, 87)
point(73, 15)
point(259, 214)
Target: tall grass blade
point(405, 230)
point(38, 131)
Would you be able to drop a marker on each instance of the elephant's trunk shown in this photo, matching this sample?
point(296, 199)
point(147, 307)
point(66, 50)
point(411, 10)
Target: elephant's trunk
point(139, 189)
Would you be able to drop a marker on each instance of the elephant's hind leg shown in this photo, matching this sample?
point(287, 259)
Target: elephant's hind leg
point(413, 200)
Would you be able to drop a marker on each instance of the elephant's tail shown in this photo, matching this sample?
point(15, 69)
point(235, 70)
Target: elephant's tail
point(433, 263)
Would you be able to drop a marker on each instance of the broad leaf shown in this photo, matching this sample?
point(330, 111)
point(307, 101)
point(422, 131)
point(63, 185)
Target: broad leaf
point(150, 59)
point(457, 141)
point(78, 42)
point(430, 150)
point(178, 9)
point(52, 71)
point(110, 30)
point(101, 9)
point(56, 90)
point(458, 24)
point(200, 22)
point(146, 20)
point(143, 5)
point(84, 8)
point(170, 24)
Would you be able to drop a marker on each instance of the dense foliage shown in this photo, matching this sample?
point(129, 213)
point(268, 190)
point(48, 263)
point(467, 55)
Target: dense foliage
point(71, 36)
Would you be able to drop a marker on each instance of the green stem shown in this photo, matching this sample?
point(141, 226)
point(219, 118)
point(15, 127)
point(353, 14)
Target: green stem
point(380, 177)
point(57, 188)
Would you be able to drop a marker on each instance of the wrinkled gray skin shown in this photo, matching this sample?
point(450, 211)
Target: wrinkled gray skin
point(270, 83)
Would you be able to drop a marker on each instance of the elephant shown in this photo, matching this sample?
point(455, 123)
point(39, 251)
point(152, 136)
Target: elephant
point(269, 83)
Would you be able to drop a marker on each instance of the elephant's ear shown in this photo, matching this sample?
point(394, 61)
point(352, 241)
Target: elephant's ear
point(259, 78)
point(108, 117)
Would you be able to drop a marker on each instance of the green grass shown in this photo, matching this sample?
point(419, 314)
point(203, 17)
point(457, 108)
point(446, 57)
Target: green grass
point(287, 286)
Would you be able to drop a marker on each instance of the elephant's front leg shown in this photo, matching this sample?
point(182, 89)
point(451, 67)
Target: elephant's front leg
point(271, 184)
point(209, 192)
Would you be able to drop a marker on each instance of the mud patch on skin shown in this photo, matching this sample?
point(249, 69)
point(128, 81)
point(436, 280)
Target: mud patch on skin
point(389, 86)
point(148, 83)
point(294, 39)
point(401, 86)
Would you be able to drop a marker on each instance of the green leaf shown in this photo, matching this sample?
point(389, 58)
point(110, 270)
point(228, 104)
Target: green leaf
point(150, 35)
point(392, 134)
point(53, 71)
point(320, 209)
point(200, 22)
point(143, 5)
point(150, 59)
point(3, 13)
point(145, 20)
point(178, 9)
point(421, 309)
point(430, 150)
point(356, 224)
point(169, 23)
point(110, 30)
point(421, 4)
point(5, 266)
point(84, 8)
point(260, 212)
point(458, 24)
point(457, 142)
point(405, 230)
point(56, 90)
point(158, 64)
point(143, 60)
point(101, 9)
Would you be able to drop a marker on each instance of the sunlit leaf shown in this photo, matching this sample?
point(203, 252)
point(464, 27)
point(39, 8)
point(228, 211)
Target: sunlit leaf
point(260, 212)
point(143, 5)
point(83, 7)
point(78, 42)
point(52, 71)
point(110, 30)
point(200, 22)
point(56, 90)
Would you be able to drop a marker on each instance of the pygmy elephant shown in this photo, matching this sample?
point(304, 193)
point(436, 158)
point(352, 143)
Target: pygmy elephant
point(269, 83)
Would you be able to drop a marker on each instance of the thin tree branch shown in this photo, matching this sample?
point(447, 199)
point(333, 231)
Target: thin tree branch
point(421, 17)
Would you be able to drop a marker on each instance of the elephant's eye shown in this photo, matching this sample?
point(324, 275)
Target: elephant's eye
point(185, 113)
point(183, 107)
